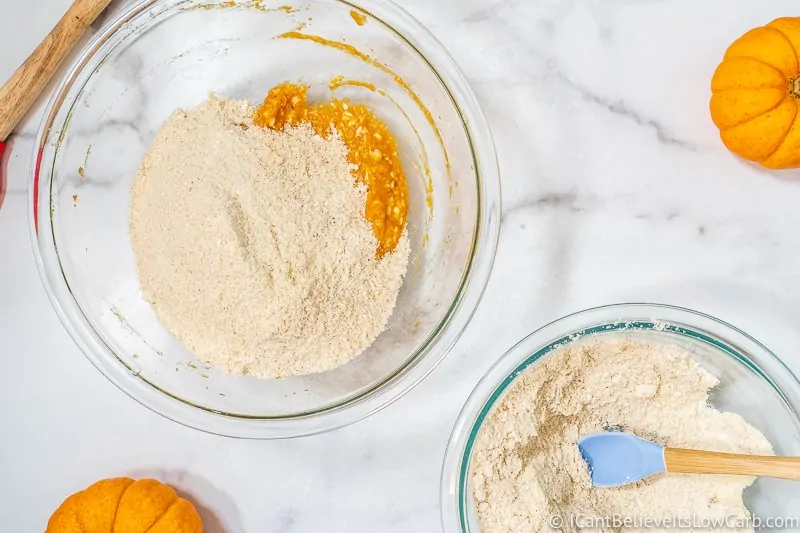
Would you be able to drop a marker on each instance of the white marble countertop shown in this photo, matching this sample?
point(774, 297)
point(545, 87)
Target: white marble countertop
point(615, 188)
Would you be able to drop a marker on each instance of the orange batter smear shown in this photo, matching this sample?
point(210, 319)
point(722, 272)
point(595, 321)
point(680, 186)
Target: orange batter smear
point(425, 163)
point(255, 4)
point(360, 18)
point(338, 82)
point(370, 146)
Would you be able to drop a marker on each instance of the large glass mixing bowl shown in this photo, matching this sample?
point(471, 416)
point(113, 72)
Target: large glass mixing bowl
point(165, 54)
point(753, 383)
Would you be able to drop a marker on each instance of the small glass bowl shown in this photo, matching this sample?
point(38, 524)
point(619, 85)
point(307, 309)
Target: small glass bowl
point(161, 55)
point(753, 383)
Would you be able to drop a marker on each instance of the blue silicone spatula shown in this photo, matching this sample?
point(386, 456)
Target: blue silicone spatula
point(616, 459)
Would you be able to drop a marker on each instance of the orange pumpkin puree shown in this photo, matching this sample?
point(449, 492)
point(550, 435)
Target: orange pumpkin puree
point(358, 17)
point(370, 146)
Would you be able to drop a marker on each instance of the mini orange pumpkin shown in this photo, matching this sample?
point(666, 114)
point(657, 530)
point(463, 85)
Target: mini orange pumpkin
point(756, 95)
point(122, 505)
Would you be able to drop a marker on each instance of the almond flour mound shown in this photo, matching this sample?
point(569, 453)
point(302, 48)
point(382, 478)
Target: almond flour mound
point(252, 246)
point(527, 468)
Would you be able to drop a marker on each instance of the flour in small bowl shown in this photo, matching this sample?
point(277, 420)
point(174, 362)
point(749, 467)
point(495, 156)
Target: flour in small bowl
point(252, 246)
point(527, 468)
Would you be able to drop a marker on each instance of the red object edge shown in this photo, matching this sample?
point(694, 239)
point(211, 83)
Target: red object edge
point(2, 175)
point(36, 191)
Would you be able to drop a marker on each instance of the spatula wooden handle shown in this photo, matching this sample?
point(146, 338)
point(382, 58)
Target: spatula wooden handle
point(17, 95)
point(681, 461)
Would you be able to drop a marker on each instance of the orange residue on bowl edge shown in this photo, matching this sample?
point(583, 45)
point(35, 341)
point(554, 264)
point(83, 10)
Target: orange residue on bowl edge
point(370, 146)
point(425, 164)
point(255, 4)
point(338, 82)
point(353, 51)
point(360, 18)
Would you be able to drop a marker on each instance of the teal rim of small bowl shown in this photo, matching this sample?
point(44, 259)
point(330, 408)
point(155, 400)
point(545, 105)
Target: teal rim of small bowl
point(638, 325)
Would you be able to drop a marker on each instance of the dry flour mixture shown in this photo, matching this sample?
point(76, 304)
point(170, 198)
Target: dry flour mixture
point(527, 467)
point(252, 246)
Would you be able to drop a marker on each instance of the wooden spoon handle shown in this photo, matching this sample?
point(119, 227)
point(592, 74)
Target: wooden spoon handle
point(19, 93)
point(681, 461)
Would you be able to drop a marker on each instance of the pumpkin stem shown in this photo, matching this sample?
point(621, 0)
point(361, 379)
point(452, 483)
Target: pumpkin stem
point(794, 87)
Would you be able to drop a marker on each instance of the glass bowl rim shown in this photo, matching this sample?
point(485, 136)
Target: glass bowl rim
point(342, 413)
point(527, 352)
